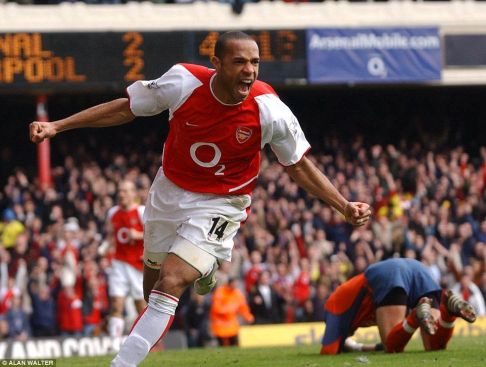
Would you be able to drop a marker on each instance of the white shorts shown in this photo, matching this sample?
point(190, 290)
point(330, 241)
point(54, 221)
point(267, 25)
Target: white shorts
point(208, 221)
point(125, 280)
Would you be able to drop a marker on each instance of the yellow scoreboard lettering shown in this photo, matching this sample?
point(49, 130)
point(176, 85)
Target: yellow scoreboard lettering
point(206, 47)
point(22, 56)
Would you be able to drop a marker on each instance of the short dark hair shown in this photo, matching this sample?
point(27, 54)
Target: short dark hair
point(223, 39)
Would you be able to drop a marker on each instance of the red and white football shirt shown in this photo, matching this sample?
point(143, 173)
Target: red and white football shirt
point(213, 147)
point(130, 252)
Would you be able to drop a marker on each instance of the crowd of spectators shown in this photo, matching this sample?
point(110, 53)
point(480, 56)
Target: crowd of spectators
point(291, 253)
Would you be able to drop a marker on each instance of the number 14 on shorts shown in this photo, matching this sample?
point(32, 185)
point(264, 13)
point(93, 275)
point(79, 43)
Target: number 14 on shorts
point(221, 228)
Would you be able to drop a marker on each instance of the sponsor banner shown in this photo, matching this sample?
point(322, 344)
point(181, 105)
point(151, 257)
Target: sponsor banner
point(67, 347)
point(281, 334)
point(373, 55)
point(311, 333)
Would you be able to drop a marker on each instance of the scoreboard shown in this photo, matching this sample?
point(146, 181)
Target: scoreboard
point(80, 61)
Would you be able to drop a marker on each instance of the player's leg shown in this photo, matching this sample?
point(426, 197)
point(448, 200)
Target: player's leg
point(454, 305)
point(350, 300)
point(150, 276)
point(451, 307)
point(118, 290)
point(234, 341)
point(207, 282)
point(135, 280)
point(421, 316)
point(222, 341)
point(395, 330)
point(116, 323)
point(429, 340)
point(210, 222)
point(228, 341)
point(393, 333)
point(179, 269)
point(140, 305)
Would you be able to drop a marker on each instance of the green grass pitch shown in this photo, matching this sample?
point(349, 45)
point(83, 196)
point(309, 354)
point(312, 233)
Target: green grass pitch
point(462, 351)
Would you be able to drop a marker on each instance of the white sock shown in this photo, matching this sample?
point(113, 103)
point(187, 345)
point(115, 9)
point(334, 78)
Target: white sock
point(116, 326)
point(148, 330)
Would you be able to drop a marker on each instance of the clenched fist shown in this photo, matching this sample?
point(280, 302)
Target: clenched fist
point(356, 213)
point(40, 130)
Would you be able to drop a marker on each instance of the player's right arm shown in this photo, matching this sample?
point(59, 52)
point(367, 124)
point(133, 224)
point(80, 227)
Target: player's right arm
point(112, 113)
point(110, 233)
point(109, 242)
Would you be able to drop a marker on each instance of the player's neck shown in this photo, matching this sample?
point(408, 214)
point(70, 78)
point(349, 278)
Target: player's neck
point(219, 94)
point(128, 207)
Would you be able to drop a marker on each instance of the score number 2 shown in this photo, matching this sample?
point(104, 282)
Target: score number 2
point(133, 56)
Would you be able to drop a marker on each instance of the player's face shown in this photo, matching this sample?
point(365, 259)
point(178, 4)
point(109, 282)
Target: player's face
point(236, 71)
point(126, 194)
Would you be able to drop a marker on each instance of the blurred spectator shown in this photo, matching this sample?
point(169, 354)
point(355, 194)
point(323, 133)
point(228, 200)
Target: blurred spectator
point(483, 286)
point(92, 306)
point(197, 319)
point(253, 269)
point(43, 318)
point(318, 301)
point(3, 328)
point(265, 304)
point(18, 321)
point(301, 289)
point(68, 247)
point(9, 287)
point(10, 229)
point(429, 260)
point(69, 312)
point(227, 305)
point(471, 293)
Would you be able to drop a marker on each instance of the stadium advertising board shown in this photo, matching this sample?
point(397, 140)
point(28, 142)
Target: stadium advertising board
point(373, 55)
point(78, 346)
point(465, 50)
point(112, 60)
point(311, 333)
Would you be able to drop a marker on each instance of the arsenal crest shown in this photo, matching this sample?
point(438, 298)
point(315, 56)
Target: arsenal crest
point(243, 134)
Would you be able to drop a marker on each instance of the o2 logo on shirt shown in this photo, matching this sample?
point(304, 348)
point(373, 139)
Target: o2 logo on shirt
point(213, 162)
point(122, 235)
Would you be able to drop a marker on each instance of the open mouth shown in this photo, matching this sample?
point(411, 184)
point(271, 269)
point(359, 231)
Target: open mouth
point(244, 86)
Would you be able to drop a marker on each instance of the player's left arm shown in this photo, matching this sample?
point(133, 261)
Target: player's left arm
point(311, 179)
point(289, 144)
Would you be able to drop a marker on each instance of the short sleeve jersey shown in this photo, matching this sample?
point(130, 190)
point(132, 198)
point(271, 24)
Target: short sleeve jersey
point(408, 274)
point(122, 221)
point(213, 147)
